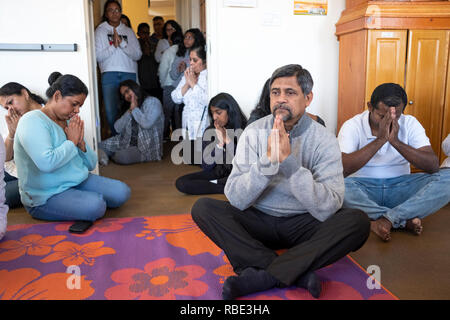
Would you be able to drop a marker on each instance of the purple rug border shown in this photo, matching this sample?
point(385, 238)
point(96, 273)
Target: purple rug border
point(71, 236)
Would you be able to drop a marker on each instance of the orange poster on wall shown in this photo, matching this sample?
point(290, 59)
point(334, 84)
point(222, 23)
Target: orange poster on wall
point(311, 7)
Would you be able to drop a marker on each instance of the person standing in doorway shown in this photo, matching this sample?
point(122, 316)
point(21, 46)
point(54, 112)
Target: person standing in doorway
point(118, 51)
point(167, 83)
point(158, 25)
point(192, 91)
point(170, 27)
point(147, 65)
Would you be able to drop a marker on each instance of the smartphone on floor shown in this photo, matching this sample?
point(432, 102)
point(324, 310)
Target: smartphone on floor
point(80, 226)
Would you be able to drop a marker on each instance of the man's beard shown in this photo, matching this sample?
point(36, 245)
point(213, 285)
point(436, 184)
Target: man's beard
point(282, 107)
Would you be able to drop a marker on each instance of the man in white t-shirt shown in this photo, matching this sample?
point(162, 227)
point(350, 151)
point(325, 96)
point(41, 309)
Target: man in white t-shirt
point(378, 146)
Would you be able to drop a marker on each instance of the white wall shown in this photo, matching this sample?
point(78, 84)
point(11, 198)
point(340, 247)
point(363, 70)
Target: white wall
point(243, 51)
point(53, 22)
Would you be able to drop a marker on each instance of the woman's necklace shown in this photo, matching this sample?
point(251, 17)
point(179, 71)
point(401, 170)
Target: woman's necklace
point(52, 117)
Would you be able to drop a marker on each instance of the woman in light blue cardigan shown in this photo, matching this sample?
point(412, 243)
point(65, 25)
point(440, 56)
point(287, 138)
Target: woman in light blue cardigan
point(53, 160)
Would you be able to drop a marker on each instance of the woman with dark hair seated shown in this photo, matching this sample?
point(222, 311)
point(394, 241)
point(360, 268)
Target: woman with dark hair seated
point(226, 119)
point(140, 128)
point(17, 100)
point(53, 159)
point(262, 109)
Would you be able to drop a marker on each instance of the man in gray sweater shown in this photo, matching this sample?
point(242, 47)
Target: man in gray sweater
point(285, 191)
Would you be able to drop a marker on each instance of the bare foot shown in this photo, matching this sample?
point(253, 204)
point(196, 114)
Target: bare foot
point(414, 226)
point(382, 228)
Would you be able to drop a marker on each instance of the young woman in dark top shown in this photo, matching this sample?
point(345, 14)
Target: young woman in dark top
point(219, 145)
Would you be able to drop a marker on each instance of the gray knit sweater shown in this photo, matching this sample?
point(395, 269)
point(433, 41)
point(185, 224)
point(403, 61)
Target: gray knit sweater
point(309, 180)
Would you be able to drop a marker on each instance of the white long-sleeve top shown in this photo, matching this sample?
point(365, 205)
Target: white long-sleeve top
point(163, 45)
point(3, 207)
point(165, 65)
point(121, 59)
point(195, 118)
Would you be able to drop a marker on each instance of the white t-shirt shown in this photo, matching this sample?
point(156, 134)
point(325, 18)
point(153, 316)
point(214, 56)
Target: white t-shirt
point(446, 148)
point(355, 134)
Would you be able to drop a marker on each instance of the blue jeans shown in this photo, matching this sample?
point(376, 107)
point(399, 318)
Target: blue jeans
point(399, 199)
point(87, 201)
point(110, 89)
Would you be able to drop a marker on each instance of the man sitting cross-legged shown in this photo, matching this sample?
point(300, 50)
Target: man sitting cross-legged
point(285, 191)
point(378, 147)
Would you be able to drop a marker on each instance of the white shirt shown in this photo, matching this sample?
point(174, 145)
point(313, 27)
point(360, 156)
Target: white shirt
point(195, 117)
point(121, 59)
point(355, 134)
point(446, 148)
point(163, 45)
point(166, 63)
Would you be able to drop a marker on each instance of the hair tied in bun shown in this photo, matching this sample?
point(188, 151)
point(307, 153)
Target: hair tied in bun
point(53, 77)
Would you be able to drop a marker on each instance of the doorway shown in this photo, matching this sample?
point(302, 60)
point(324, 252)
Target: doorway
point(188, 13)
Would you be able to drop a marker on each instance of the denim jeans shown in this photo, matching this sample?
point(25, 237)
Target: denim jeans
point(399, 199)
point(87, 201)
point(110, 89)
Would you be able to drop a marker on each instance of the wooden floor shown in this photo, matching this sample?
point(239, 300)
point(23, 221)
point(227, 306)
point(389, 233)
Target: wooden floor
point(412, 267)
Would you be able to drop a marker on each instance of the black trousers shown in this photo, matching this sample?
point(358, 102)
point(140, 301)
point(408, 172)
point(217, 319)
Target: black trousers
point(249, 238)
point(199, 183)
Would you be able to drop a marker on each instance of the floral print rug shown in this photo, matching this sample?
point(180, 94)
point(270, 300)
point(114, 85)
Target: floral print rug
point(161, 257)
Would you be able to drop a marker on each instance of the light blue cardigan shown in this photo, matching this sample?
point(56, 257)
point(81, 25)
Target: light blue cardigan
point(47, 163)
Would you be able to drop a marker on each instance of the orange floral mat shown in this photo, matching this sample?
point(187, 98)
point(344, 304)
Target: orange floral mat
point(163, 257)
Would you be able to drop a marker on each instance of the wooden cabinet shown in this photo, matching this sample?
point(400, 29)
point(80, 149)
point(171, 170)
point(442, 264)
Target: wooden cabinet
point(425, 84)
point(386, 57)
point(407, 43)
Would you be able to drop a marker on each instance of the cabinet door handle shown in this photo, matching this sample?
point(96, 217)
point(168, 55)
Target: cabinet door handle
point(411, 102)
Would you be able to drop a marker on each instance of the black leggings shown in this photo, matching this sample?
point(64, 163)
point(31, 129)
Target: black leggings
point(199, 183)
point(249, 238)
